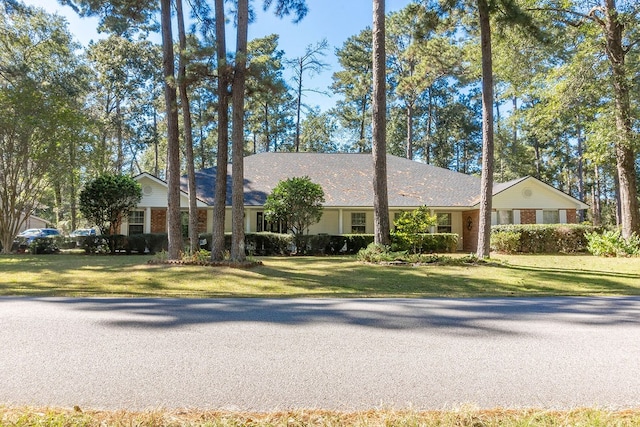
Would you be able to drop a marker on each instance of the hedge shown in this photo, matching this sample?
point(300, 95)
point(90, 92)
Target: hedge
point(540, 238)
point(136, 243)
point(424, 243)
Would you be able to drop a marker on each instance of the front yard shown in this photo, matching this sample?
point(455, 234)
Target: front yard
point(131, 276)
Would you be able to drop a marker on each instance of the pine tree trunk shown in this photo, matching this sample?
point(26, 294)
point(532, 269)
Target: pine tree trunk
point(379, 146)
point(410, 131)
point(222, 157)
point(298, 107)
point(486, 181)
point(173, 142)
point(237, 136)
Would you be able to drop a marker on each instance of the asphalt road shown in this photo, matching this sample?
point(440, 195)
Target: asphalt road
point(343, 354)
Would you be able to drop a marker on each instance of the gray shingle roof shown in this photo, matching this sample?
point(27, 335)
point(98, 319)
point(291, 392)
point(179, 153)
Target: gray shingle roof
point(347, 180)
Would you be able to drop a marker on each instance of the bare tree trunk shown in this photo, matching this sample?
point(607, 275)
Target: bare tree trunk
point(222, 157)
point(486, 181)
point(194, 241)
point(237, 135)
point(120, 150)
point(57, 191)
point(156, 169)
point(409, 132)
point(625, 155)
point(363, 121)
point(299, 106)
point(427, 148)
point(267, 135)
point(581, 190)
point(173, 140)
point(596, 211)
point(379, 146)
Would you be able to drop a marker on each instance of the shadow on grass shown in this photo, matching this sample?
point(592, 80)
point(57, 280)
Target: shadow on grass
point(63, 275)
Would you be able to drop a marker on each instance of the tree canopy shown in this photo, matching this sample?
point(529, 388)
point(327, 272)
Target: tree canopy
point(105, 201)
point(566, 98)
point(297, 203)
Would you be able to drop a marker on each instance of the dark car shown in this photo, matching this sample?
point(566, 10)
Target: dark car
point(83, 237)
point(83, 232)
point(37, 240)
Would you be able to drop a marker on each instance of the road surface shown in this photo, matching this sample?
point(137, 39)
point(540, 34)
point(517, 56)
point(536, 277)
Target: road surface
point(340, 354)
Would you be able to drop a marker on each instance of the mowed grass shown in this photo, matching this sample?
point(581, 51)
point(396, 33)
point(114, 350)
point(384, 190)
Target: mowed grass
point(26, 417)
point(132, 276)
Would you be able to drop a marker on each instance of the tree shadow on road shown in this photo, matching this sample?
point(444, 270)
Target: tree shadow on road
point(451, 316)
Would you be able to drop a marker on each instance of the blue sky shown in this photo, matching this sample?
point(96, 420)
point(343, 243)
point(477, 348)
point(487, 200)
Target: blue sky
point(335, 20)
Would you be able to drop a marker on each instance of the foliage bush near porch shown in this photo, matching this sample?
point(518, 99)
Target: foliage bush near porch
point(540, 238)
point(612, 244)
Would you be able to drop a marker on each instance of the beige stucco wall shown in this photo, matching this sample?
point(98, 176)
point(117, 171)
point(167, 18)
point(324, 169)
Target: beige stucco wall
point(154, 194)
point(532, 194)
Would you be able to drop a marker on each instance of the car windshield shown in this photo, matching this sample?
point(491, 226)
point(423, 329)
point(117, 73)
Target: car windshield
point(29, 232)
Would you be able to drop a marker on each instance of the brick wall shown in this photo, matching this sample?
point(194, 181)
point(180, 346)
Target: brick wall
point(572, 216)
point(158, 220)
point(202, 220)
point(527, 216)
point(470, 236)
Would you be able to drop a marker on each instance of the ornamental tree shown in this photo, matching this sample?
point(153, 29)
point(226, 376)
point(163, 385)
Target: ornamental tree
point(411, 226)
point(297, 203)
point(107, 199)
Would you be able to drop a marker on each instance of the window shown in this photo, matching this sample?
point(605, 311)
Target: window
point(505, 217)
point(550, 217)
point(358, 222)
point(136, 222)
point(264, 225)
point(444, 222)
point(184, 223)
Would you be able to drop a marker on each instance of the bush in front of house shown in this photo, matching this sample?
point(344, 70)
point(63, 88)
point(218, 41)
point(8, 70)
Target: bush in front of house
point(540, 238)
point(424, 243)
point(46, 245)
point(266, 243)
point(611, 244)
point(506, 242)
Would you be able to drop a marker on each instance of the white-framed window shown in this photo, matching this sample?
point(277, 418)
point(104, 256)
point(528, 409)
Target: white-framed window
point(136, 222)
point(358, 222)
point(550, 217)
point(263, 225)
point(444, 222)
point(504, 217)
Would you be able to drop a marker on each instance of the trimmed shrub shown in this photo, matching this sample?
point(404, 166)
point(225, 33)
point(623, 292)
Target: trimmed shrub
point(266, 243)
point(157, 242)
point(319, 244)
point(352, 243)
point(424, 243)
point(612, 244)
point(262, 243)
point(136, 243)
point(506, 242)
point(46, 245)
point(540, 238)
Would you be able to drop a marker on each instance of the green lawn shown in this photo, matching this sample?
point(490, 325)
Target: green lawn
point(514, 275)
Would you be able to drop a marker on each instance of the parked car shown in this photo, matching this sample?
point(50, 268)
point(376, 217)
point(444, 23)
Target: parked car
point(38, 240)
point(83, 232)
point(82, 237)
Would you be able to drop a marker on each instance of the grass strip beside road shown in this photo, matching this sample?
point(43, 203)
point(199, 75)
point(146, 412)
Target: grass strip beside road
point(131, 276)
point(23, 417)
